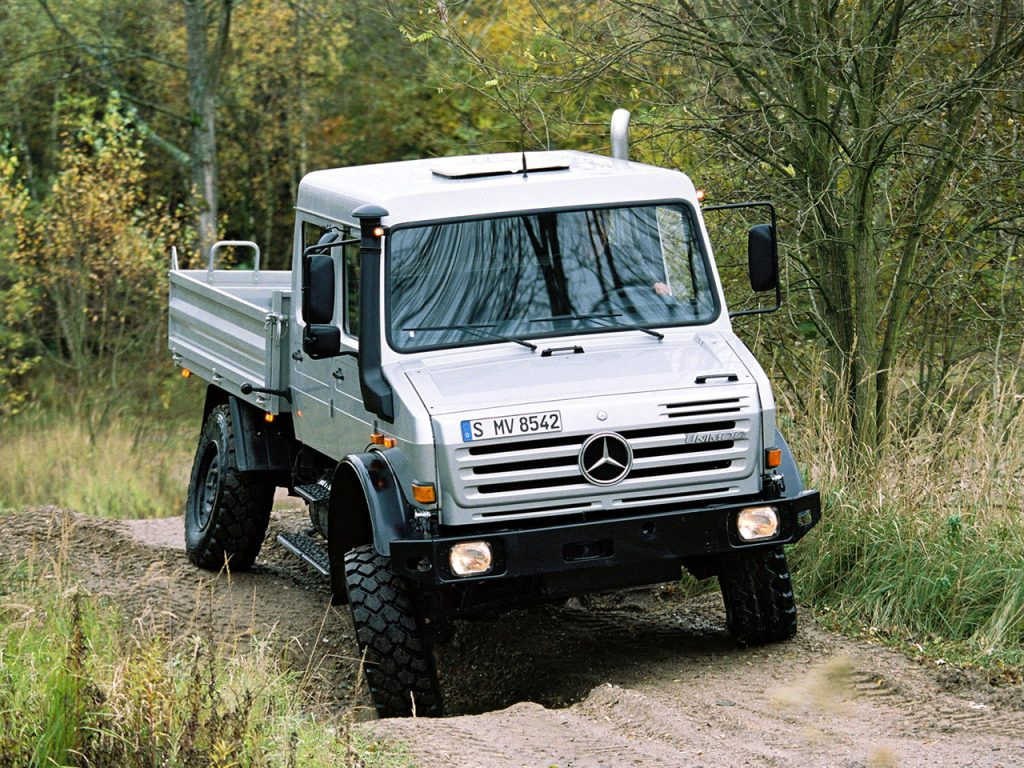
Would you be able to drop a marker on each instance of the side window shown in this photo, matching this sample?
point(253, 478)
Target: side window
point(349, 254)
point(311, 234)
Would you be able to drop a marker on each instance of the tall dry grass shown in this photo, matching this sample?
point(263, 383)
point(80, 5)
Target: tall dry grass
point(119, 455)
point(78, 687)
point(922, 540)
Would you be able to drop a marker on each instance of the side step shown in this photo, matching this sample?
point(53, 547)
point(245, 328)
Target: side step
point(313, 493)
point(308, 550)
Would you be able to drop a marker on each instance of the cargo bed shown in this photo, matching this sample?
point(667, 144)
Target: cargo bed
point(230, 327)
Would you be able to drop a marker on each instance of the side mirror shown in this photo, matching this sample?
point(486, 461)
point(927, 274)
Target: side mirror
point(320, 341)
point(318, 290)
point(762, 258)
point(321, 338)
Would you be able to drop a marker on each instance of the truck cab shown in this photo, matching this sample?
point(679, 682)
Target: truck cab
point(495, 380)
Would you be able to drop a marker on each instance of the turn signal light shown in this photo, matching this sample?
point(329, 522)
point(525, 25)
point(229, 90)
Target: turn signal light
point(701, 195)
point(268, 417)
point(378, 231)
point(424, 493)
point(185, 373)
point(379, 438)
point(773, 457)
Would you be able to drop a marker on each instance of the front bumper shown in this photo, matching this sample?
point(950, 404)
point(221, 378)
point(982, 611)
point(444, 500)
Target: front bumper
point(578, 557)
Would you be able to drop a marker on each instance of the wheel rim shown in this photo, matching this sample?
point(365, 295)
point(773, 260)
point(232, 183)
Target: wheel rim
point(209, 490)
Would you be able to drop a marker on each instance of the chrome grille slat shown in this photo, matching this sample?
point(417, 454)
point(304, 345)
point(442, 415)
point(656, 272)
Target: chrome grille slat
point(702, 449)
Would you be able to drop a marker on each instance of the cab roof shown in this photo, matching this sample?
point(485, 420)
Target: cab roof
point(478, 185)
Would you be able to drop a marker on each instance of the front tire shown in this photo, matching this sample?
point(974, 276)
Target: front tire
point(758, 595)
point(227, 512)
point(399, 667)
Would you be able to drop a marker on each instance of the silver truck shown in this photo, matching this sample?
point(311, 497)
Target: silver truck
point(495, 380)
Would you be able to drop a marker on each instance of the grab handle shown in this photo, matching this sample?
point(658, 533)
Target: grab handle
point(238, 243)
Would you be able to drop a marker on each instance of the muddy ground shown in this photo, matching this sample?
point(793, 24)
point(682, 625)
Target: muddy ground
point(640, 678)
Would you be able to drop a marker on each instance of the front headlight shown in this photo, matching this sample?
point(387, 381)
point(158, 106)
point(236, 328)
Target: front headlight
point(756, 523)
point(470, 558)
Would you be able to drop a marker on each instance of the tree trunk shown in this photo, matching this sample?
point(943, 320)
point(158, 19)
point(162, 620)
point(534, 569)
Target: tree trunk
point(205, 61)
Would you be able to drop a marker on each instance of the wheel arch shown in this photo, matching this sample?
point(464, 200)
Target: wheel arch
point(365, 507)
point(788, 468)
point(259, 446)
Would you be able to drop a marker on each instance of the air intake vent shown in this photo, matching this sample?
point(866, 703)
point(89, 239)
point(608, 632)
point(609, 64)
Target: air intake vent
point(723, 406)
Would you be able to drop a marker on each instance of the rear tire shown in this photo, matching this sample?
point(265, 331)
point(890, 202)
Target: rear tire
point(227, 512)
point(758, 596)
point(399, 667)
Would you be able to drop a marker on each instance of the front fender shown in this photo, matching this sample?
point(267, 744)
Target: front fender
point(366, 506)
point(788, 469)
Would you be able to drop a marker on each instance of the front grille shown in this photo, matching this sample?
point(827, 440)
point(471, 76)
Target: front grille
point(691, 450)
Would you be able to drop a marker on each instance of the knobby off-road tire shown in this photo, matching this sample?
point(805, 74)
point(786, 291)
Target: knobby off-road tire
point(399, 667)
point(758, 595)
point(227, 512)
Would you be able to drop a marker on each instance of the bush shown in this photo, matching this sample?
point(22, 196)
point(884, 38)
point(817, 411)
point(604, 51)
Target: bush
point(77, 689)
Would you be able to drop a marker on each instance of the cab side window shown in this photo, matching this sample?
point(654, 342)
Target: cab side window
point(348, 253)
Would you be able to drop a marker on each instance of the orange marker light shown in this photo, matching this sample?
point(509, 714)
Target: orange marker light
point(379, 438)
point(185, 373)
point(424, 493)
point(268, 417)
point(773, 457)
point(378, 231)
point(700, 195)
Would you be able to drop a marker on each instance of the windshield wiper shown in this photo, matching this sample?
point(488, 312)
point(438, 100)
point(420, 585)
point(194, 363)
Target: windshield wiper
point(480, 329)
point(606, 317)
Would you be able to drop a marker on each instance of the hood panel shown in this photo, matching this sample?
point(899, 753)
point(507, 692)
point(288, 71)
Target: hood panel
point(644, 364)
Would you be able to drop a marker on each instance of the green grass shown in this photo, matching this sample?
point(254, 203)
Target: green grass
point(77, 688)
point(921, 545)
point(127, 460)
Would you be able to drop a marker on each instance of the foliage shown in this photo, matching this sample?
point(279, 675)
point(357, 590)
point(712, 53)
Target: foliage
point(926, 544)
point(868, 122)
point(17, 354)
point(92, 254)
point(77, 688)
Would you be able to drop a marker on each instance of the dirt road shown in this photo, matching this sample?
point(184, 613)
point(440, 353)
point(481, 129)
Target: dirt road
point(641, 678)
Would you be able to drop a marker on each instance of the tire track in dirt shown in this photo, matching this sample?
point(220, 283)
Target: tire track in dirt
point(642, 677)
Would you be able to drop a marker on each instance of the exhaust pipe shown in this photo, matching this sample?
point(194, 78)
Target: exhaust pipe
point(620, 134)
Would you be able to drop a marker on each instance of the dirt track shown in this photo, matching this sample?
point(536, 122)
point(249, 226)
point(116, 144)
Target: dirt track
point(637, 678)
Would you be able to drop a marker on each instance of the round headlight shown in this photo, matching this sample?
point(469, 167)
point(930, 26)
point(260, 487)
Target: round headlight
point(756, 523)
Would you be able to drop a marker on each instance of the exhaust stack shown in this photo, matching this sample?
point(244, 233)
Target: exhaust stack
point(620, 134)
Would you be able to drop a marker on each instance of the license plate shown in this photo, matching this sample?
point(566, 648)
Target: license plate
point(511, 426)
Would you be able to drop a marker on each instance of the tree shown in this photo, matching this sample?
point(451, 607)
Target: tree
point(865, 119)
point(205, 64)
point(105, 56)
point(92, 255)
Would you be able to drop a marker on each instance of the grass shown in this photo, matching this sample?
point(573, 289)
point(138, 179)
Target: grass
point(78, 688)
point(921, 544)
point(129, 460)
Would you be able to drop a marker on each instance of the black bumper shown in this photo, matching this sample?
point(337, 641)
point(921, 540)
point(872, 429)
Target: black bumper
point(606, 554)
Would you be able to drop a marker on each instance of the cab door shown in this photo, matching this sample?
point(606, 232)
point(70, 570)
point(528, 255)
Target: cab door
point(327, 403)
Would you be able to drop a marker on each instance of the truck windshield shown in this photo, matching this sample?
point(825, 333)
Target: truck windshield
point(528, 275)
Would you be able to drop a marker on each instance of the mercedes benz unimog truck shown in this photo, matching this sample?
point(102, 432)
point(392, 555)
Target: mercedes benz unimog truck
point(495, 380)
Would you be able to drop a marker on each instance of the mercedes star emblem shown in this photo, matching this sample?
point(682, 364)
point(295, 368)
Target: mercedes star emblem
point(605, 458)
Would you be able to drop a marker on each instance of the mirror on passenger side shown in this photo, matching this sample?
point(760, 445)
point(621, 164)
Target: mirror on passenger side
point(762, 258)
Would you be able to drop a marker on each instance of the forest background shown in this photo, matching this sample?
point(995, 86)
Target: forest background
point(887, 132)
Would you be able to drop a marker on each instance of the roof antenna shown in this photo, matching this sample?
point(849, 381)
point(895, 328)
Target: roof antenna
point(522, 144)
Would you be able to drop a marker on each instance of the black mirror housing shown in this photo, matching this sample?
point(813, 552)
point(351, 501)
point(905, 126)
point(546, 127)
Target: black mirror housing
point(321, 340)
point(319, 290)
point(762, 258)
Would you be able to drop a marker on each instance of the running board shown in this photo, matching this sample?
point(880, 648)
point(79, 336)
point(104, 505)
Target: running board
point(308, 550)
